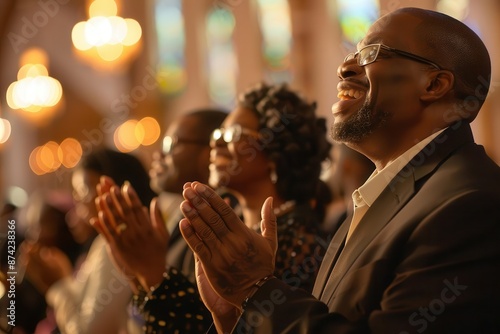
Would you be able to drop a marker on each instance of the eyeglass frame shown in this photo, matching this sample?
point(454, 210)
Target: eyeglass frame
point(236, 128)
point(354, 55)
point(174, 140)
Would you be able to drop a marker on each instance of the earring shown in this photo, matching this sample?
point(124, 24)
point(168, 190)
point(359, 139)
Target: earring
point(273, 176)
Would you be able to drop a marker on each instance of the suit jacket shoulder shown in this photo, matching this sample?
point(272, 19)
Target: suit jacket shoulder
point(425, 257)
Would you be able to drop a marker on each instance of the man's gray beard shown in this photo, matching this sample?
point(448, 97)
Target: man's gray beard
point(358, 127)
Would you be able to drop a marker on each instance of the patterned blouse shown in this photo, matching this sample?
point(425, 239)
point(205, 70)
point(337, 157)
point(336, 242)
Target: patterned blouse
point(301, 247)
point(175, 306)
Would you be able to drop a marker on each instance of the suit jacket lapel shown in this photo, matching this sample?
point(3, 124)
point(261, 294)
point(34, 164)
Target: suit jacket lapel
point(331, 256)
point(390, 201)
point(387, 205)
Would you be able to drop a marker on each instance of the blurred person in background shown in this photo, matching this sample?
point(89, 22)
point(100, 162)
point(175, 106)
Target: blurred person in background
point(93, 299)
point(184, 157)
point(44, 217)
point(149, 249)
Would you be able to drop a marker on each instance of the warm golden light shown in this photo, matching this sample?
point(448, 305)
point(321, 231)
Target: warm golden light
point(70, 152)
point(51, 156)
point(98, 31)
point(103, 8)
point(119, 30)
point(5, 130)
point(110, 52)
point(48, 156)
point(34, 161)
point(139, 132)
point(34, 56)
point(134, 32)
point(32, 70)
point(2, 286)
point(125, 138)
point(76, 33)
point(147, 131)
point(105, 32)
point(132, 134)
point(34, 91)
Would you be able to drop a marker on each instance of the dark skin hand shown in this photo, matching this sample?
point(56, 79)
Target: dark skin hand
point(138, 249)
point(230, 257)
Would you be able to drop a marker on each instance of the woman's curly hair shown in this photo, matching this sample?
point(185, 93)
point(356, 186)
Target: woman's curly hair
point(294, 139)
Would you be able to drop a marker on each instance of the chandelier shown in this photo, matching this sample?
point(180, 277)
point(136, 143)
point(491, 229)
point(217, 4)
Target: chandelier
point(106, 39)
point(35, 92)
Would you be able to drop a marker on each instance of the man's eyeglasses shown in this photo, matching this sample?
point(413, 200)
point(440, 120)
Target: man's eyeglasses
point(169, 143)
point(233, 134)
point(369, 54)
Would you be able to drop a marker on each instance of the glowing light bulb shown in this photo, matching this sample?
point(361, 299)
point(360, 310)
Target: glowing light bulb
point(34, 89)
point(106, 34)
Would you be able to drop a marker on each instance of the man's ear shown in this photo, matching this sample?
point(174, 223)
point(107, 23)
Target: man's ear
point(439, 83)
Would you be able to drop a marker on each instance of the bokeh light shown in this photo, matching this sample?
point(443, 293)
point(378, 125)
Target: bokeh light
point(105, 34)
point(50, 156)
point(5, 130)
point(131, 134)
point(150, 129)
point(17, 196)
point(125, 138)
point(69, 152)
point(34, 91)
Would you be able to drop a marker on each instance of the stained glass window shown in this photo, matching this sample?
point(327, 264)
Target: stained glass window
point(221, 62)
point(169, 24)
point(354, 17)
point(274, 20)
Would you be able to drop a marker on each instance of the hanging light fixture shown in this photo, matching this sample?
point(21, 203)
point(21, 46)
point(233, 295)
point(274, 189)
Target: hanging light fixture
point(34, 92)
point(106, 39)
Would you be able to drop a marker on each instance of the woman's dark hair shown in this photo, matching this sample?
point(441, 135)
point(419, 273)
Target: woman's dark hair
point(294, 139)
point(120, 167)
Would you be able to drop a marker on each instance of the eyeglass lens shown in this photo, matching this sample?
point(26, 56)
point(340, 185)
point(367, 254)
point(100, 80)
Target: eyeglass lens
point(368, 54)
point(228, 135)
point(168, 143)
point(365, 56)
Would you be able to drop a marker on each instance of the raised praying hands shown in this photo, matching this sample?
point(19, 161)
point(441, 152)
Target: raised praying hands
point(231, 258)
point(138, 239)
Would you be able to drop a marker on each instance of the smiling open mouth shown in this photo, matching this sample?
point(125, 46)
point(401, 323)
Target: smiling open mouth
point(350, 94)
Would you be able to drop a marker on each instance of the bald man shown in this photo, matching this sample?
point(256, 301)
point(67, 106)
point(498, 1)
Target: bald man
point(421, 252)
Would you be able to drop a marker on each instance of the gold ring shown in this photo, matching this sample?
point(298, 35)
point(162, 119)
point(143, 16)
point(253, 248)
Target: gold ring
point(120, 228)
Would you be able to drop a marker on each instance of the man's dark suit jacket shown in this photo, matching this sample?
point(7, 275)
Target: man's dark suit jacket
point(425, 258)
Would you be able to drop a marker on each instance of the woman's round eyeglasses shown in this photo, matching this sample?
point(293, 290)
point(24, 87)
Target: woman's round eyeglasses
point(233, 133)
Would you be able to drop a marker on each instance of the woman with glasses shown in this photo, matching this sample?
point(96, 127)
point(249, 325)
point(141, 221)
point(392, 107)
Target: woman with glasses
point(273, 144)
